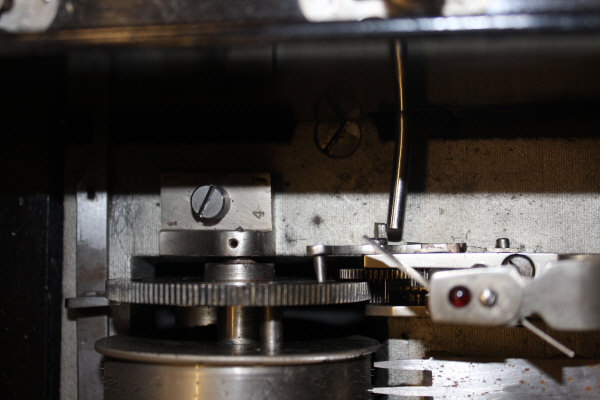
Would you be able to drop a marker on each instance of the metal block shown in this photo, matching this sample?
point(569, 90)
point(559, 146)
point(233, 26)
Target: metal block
point(249, 193)
point(86, 302)
point(219, 243)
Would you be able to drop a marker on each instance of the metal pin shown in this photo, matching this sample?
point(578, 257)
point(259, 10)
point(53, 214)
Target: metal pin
point(502, 243)
point(547, 338)
point(271, 330)
point(320, 268)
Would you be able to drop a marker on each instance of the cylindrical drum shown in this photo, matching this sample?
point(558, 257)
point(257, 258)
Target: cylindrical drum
point(148, 369)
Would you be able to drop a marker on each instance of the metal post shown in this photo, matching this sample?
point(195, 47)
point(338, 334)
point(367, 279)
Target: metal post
point(271, 330)
point(237, 325)
point(320, 268)
point(318, 253)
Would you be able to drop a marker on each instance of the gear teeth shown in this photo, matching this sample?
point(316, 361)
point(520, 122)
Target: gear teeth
point(382, 281)
point(259, 294)
point(372, 274)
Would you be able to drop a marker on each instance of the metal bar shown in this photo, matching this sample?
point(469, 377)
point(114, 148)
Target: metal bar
point(398, 192)
point(367, 249)
point(235, 33)
point(92, 234)
point(457, 260)
point(547, 338)
point(87, 302)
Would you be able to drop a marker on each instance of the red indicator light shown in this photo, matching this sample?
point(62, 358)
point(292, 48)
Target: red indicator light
point(459, 296)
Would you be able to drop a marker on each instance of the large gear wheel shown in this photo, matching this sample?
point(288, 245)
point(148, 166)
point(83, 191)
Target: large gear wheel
point(187, 293)
point(245, 356)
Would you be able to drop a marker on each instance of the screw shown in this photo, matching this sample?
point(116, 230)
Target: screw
point(209, 202)
point(338, 131)
point(522, 263)
point(488, 297)
point(338, 141)
point(502, 243)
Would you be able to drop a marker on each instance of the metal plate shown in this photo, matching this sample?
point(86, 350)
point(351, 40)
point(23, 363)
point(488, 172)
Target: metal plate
point(458, 260)
point(499, 379)
point(507, 286)
point(186, 293)
point(565, 294)
point(210, 353)
point(367, 249)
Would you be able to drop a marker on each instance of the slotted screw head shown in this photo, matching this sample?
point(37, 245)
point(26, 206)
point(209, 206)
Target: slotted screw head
point(338, 131)
point(209, 202)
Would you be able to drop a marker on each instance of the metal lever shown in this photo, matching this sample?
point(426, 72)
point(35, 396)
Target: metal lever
point(563, 295)
point(398, 192)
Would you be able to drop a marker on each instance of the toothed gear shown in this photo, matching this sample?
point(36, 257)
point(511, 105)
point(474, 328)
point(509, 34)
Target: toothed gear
point(186, 293)
point(388, 283)
point(372, 274)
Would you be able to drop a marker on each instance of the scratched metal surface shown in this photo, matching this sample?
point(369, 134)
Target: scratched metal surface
point(510, 378)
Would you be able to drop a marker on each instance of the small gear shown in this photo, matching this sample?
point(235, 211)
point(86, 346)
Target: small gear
point(388, 285)
point(371, 274)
